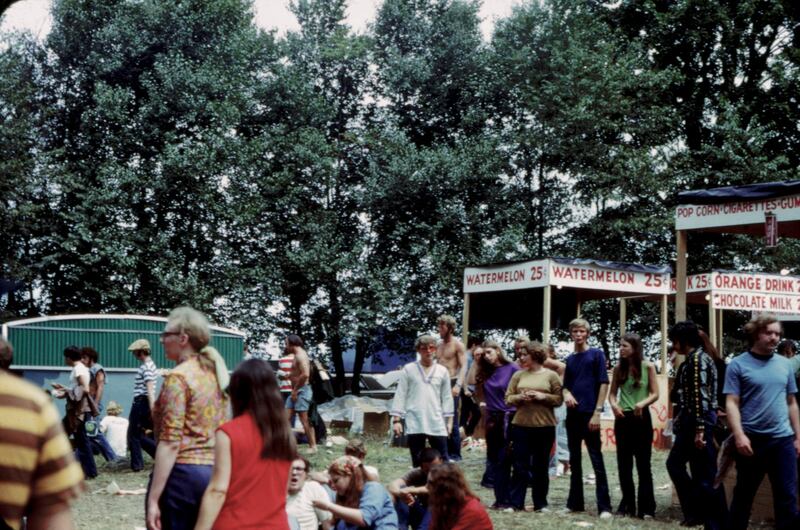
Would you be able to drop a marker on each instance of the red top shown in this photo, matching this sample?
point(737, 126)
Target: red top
point(473, 516)
point(256, 495)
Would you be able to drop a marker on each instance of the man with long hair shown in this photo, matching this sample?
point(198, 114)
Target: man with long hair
point(300, 399)
point(694, 398)
point(762, 412)
point(451, 354)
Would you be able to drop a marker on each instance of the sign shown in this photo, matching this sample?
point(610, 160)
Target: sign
point(750, 301)
point(771, 229)
point(694, 216)
point(540, 273)
point(526, 275)
point(694, 284)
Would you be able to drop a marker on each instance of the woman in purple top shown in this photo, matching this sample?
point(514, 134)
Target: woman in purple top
point(494, 373)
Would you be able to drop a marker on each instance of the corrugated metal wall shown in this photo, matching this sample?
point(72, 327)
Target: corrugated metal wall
point(42, 343)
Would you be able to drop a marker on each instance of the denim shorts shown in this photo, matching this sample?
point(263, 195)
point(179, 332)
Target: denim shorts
point(303, 402)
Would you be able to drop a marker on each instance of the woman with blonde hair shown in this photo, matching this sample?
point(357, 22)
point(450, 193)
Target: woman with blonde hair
point(359, 502)
point(189, 410)
point(453, 505)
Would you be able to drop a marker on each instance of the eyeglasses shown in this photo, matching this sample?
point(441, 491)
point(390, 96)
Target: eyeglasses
point(168, 333)
point(298, 469)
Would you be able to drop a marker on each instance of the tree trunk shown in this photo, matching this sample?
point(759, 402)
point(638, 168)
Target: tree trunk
point(339, 384)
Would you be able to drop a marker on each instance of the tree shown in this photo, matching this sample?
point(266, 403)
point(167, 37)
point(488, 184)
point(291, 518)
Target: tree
point(142, 141)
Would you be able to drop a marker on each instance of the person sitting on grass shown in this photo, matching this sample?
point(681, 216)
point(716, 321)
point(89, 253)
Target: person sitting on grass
point(300, 496)
point(410, 492)
point(115, 428)
point(359, 502)
point(453, 505)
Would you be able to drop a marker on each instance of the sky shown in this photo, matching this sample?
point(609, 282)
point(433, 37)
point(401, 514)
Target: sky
point(34, 15)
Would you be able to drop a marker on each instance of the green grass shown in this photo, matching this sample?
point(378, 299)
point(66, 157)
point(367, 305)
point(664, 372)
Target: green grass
point(102, 511)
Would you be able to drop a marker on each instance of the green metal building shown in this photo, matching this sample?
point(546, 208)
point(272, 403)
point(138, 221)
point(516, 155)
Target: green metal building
point(39, 347)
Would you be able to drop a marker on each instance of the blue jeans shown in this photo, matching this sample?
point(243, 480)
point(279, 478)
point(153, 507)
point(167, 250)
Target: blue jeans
point(578, 432)
point(139, 420)
point(180, 501)
point(101, 446)
point(531, 449)
point(454, 440)
point(498, 456)
point(84, 450)
point(775, 457)
point(416, 516)
point(700, 501)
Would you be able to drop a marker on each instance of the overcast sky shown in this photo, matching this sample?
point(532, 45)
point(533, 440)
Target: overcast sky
point(34, 15)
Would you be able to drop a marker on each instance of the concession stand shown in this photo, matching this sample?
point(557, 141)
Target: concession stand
point(770, 210)
point(541, 295)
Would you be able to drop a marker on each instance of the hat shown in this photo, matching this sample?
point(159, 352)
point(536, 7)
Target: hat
point(139, 344)
point(114, 408)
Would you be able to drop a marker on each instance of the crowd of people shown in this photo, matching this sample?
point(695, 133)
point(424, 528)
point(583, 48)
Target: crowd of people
point(225, 454)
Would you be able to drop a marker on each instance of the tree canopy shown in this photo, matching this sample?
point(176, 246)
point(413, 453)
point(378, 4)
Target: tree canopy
point(333, 183)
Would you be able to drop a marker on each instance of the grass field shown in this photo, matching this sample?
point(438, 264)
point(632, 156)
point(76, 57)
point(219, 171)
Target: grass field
point(98, 510)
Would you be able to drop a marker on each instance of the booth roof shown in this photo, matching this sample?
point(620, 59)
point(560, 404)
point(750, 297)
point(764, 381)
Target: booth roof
point(618, 265)
point(750, 192)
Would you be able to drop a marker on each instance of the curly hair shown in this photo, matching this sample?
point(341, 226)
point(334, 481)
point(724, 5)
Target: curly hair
point(759, 324)
point(349, 466)
point(448, 492)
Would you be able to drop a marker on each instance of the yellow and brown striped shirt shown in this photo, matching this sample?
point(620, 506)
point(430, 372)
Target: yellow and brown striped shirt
point(38, 473)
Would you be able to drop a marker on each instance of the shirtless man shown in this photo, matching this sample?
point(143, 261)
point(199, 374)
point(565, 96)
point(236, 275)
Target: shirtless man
point(451, 354)
point(300, 399)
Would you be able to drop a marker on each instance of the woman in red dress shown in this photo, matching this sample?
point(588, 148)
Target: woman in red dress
point(253, 454)
point(453, 505)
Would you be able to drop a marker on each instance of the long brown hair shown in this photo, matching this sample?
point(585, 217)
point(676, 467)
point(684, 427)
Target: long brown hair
point(349, 466)
point(448, 492)
point(254, 389)
point(485, 368)
point(633, 364)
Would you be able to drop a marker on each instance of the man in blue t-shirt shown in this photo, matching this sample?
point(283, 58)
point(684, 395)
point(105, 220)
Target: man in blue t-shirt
point(763, 415)
point(585, 389)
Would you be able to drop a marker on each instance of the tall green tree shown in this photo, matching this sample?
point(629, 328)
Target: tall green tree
point(145, 100)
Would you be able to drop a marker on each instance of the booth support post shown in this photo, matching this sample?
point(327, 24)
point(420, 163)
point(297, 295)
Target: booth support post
point(680, 277)
point(546, 300)
point(664, 322)
point(623, 316)
point(720, 342)
point(712, 325)
point(465, 322)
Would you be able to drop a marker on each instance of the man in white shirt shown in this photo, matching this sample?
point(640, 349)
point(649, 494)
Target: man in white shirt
point(301, 493)
point(115, 428)
point(425, 400)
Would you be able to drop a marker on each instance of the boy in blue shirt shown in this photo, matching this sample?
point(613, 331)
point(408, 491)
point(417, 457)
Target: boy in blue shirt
point(585, 389)
point(762, 412)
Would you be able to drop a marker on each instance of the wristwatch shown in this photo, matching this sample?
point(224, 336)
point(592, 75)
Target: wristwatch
point(599, 409)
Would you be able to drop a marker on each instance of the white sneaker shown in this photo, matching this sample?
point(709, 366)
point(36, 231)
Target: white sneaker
point(606, 515)
point(565, 511)
point(543, 510)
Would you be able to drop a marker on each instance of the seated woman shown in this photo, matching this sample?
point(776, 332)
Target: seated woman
point(453, 505)
point(359, 502)
point(253, 453)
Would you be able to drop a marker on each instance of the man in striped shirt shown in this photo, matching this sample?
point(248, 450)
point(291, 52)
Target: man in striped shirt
point(144, 396)
point(38, 473)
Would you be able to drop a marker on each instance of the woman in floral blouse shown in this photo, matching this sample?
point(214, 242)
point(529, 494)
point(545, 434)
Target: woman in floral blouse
point(188, 412)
